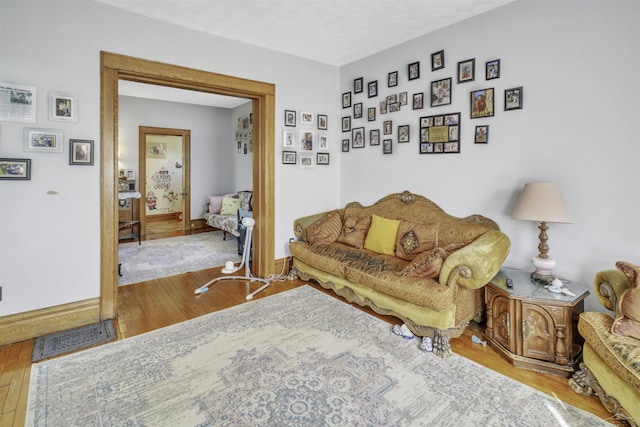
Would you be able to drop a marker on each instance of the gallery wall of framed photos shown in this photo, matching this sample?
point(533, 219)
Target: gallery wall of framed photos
point(305, 139)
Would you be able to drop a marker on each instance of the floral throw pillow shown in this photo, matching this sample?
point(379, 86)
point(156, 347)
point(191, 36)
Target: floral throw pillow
point(628, 322)
point(427, 264)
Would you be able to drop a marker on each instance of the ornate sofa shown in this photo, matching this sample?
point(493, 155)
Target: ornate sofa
point(404, 256)
point(222, 211)
point(611, 354)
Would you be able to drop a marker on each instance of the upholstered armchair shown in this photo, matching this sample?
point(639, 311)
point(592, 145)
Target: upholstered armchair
point(611, 361)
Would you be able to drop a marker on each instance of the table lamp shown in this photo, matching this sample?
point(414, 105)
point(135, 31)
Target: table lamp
point(542, 202)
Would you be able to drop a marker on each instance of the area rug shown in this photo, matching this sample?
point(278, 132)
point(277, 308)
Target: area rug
point(298, 358)
point(176, 255)
point(72, 340)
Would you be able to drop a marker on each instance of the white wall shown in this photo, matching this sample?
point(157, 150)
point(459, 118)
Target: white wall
point(50, 251)
point(578, 63)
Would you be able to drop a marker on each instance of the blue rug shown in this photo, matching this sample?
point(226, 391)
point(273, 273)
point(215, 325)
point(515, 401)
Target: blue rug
point(298, 358)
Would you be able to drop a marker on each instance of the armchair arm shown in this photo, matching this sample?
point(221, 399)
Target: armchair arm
point(300, 225)
point(609, 286)
point(476, 264)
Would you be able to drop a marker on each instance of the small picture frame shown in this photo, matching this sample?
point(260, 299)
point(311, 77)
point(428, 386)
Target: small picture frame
point(289, 118)
point(15, 169)
point(482, 103)
point(403, 98)
point(322, 122)
point(306, 161)
point(346, 124)
point(287, 138)
point(441, 92)
point(383, 107)
point(45, 140)
point(63, 107)
point(322, 158)
point(371, 114)
point(374, 137)
point(372, 89)
point(357, 85)
point(345, 145)
point(467, 70)
point(306, 140)
point(357, 138)
point(437, 60)
point(306, 118)
point(323, 142)
point(346, 100)
point(387, 127)
point(513, 99)
point(418, 101)
point(392, 79)
point(403, 133)
point(482, 134)
point(289, 157)
point(130, 174)
point(80, 152)
point(493, 69)
point(357, 110)
point(387, 146)
point(414, 70)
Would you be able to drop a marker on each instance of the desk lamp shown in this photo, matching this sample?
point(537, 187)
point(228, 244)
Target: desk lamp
point(542, 202)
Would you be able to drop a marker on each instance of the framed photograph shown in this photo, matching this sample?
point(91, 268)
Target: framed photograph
point(357, 138)
point(306, 118)
point(322, 122)
point(513, 99)
point(357, 85)
point(372, 88)
point(418, 101)
point(48, 140)
point(437, 60)
point(387, 127)
point(387, 146)
point(482, 103)
point(441, 92)
point(440, 134)
point(393, 107)
point(306, 140)
point(322, 158)
point(323, 142)
point(383, 107)
point(374, 137)
point(156, 150)
point(306, 161)
point(63, 107)
point(345, 145)
point(80, 152)
point(403, 98)
point(346, 100)
point(466, 70)
point(289, 157)
point(403, 133)
point(17, 103)
point(15, 169)
point(289, 118)
point(392, 79)
point(482, 134)
point(414, 70)
point(493, 69)
point(346, 124)
point(288, 138)
point(357, 110)
point(371, 114)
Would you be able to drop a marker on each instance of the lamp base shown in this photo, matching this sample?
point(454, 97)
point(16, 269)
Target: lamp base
point(542, 275)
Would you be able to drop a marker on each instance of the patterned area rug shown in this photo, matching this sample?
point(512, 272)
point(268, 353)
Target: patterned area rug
point(168, 257)
point(298, 358)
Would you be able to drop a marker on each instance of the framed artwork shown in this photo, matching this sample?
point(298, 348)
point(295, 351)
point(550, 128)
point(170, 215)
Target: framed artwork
point(371, 114)
point(322, 158)
point(287, 138)
point(80, 152)
point(357, 110)
point(513, 98)
point(346, 100)
point(306, 161)
point(482, 134)
point(357, 138)
point(387, 146)
point(156, 150)
point(383, 107)
point(482, 103)
point(306, 118)
point(289, 157)
point(63, 107)
point(322, 122)
point(403, 133)
point(345, 145)
point(372, 88)
point(387, 127)
point(289, 118)
point(323, 142)
point(357, 85)
point(392, 79)
point(47, 140)
point(440, 134)
point(418, 101)
point(441, 92)
point(306, 140)
point(130, 174)
point(15, 169)
point(466, 70)
point(374, 137)
point(18, 103)
point(414, 70)
point(392, 99)
point(346, 123)
point(493, 69)
point(402, 98)
point(437, 60)
point(393, 107)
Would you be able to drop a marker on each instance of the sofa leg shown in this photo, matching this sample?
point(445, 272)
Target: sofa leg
point(441, 345)
point(580, 383)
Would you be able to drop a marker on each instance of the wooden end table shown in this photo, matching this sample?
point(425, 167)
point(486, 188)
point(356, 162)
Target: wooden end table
point(532, 327)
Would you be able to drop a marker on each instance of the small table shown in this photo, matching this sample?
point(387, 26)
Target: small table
point(532, 327)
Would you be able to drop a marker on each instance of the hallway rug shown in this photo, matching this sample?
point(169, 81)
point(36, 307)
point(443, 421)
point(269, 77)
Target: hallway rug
point(176, 255)
point(297, 358)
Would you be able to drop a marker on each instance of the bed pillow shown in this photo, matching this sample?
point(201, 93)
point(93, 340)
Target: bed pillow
point(326, 230)
point(354, 231)
point(382, 235)
point(230, 206)
point(215, 204)
point(415, 238)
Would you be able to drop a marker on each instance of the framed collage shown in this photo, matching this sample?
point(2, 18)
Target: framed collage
point(440, 134)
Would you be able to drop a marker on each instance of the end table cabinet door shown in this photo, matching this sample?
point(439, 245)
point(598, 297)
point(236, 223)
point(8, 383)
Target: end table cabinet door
point(538, 333)
point(503, 326)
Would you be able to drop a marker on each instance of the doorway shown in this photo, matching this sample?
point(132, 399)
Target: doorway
point(116, 67)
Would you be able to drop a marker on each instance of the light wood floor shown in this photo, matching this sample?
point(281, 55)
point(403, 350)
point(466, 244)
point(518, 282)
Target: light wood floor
point(151, 305)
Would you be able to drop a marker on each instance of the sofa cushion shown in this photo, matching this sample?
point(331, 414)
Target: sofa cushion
point(326, 230)
point(415, 238)
point(628, 322)
point(215, 204)
point(354, 231)
point(426, 264)
point(382, 235)
point(230, 206)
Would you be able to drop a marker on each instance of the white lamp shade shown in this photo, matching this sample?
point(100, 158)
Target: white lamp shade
point(541, 202)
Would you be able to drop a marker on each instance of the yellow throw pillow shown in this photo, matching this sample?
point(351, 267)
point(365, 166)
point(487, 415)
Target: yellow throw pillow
point(326, 230)
point(230, 206)
point(382, 234)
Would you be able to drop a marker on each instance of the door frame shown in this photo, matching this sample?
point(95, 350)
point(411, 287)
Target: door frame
point(115, 67)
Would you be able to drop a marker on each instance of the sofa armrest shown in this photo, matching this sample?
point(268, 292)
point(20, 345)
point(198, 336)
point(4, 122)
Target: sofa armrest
point(478, 262)
point(609, 286)
point(300, 225)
